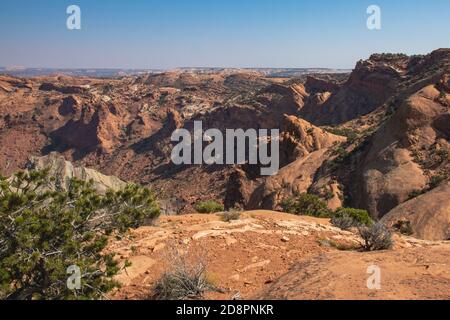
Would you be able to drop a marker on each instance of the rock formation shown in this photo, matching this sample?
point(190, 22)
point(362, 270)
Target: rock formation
point(386, 138)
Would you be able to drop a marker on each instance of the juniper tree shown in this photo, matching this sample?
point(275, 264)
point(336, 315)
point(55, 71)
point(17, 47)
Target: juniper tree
point(44, 230)
point(306, 204)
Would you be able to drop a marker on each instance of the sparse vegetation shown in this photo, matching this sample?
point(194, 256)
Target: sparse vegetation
point(417, 157)
point(185, 279)
point(306, 204)
point(442, 155)
point(344, 222)
point(359, 216)
point(44, 231)
point(430, 159)
point(436, 180)
point(341, 155)
point(209, 207)
point(327, 192)
point(391, 108)
point(337, 245)
point(376, 237)
point(388, 56)
point(351, 134)
point(231, 215)
point(404, 227)
point(416, 193)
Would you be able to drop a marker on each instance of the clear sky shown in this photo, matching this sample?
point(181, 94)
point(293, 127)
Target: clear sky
point(215, 33)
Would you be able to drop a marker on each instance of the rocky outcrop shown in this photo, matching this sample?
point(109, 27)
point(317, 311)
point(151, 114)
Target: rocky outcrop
point(303, 150)
point(344, 276)
point(63, 171)
point(10, 84)
point(428, 214)
point(70, 106)
point(316, 85)
point(47, 86)
point(370, 85)
point(299, 138)
point(93, 128)
point(238, 190)
point(392, 168)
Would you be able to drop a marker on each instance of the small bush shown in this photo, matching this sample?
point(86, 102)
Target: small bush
point(229, 216)
point(306, 204)
point(351, 134)
point(327, 193)
point(209, 207)
point(376, 237)
point(404, 227)
point(442, 155)
point(435, 181)
point(186, 279)
point(344, 222)
point(416, 193)
point(359, 217)
point(341, 155)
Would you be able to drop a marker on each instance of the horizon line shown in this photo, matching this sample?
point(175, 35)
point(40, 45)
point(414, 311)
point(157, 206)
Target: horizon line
point(18, 68)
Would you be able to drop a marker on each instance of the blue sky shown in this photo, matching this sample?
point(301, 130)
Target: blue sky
point(216, 33)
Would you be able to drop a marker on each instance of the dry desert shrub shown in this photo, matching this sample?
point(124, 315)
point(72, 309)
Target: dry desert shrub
point(376, 237)
point(404, 227)
point(185, 278)
point(210, 206)
point(347, 218)
point(231, 215)
point(344, 222)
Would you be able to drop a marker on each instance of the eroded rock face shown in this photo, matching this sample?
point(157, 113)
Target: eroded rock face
point(304, 137)
point(428, 214)
point(11, 84)
point(295, 178)
point(315, 85)
point(373, 83)
point(46, 86)
point(239, 189)
point(63, 171)
point(303, 150)
point(391, 170)
point(70, 106)
point(370, 85)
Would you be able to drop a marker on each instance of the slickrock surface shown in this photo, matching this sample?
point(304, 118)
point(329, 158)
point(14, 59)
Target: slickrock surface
point(265, 254)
